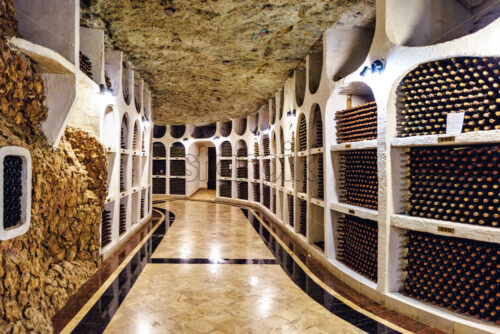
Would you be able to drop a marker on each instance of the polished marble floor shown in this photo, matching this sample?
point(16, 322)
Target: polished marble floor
point(218, 298)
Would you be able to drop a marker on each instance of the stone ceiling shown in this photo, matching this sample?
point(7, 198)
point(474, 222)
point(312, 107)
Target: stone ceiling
point(207, 60)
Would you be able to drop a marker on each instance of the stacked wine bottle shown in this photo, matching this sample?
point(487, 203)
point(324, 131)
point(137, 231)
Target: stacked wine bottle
point(357, 123)
point(242, 172)
point(291, 210)
point(143, 142)
point(226, 150)
point(357, 245)
point(225, 168)
point(318, 125)
point(108, 81)
point(358, 178)
point(12, 190)
point(267, 169)
point(142, 208)
point(242, 152)
point(292, 144)
point(123, 137)
point(282, 176)
point(458, 274)
point(256, 151)
point(177, 151)
point(159, 186)
point(468, 85)
point(303, 161)
point(265, 144)
point(302, 217)
point(267, 196)
point(225, 189)
point(274, 203)
point(256, 169)
point(123, 161)
point(320, 193)
point(85, 65)
point(123, 219)
point(177, 167)
point(458, 184)
point(243, 190)
point(256, 192)
point(177, 186)
point(302, 134)
point(134, 180)
point(106, 228)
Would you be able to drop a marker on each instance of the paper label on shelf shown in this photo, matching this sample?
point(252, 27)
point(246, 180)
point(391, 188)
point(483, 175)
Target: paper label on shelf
point(454, 123)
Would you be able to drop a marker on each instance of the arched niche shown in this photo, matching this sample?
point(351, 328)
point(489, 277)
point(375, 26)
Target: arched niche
point(226, 128)
point(159, 150)
point(282, 141)
point(300, 85)
point(241, 148)
point(346, 50)
point(254, 123)
point(281, 102)
point(240, 126)
point(226, 149)
point(302, 133)
point(315, 66)
point(265, 145)
point(124, 132)
point(272, 110)
point(159, 131)
point(177, 131)
point(109, 126)
point(177, 150)
point(264, 117)
point(274, 147)
point(428, 22)
point(137, 138)
point(127, 80)
point(203, 131)
point(316, 134)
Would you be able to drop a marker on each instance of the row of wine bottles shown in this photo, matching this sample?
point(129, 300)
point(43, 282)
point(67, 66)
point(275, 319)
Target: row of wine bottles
point(267, 169)
point(468, 85)
point(302, 134)
point(177, 151)
point(178, 167)
point(226, 149)
point(459, 184)
point(225, 189)
point(242, 172)
point(291, 211)
point(159, 186)
point(458, 274)
point(256, 192)
point(177, 186)
point(243, 190)
point(358, 178)
point(356, 123)
point(12, 190)
point(265, 144)
point(256, 169)
point(225, 168)
point(123, 219)
point(302, 217)
point(266, 196)
point(106, 228)
point(85, 65)
point(242, 152)
point(357, 245)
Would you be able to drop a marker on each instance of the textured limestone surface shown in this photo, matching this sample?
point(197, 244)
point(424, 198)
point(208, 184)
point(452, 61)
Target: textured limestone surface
point(39, 270)
point(208, 60)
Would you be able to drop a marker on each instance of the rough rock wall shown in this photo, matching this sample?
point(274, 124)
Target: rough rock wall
point(208, 60)
point(39, 270)
point(8, 22)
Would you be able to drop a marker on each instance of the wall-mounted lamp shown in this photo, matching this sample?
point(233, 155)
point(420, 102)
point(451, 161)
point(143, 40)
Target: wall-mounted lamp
point(216, 140)
point(256, 135)
point(265, 132)
point(291, 114)
point(185, 139)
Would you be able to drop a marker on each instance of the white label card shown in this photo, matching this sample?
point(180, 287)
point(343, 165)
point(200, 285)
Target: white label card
point(454, 123)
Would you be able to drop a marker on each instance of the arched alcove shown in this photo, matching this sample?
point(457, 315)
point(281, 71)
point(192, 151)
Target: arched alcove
point(225, 128)
point(315, 66)
point(226, 149)
point(282, 141)
point(159, 150)
point(428, 22)
point(240, 126)
point(159, 131)
point(300, 85)
point(124, 133)
point(272, 110)
point(316, 128)
point(203, 131)
point(254, 123)
point(302, 130)
point(241, 148)
point(177, 150)
point(177, 131)
point(281, 102)
point(109, 126)
point(127, 78)
point(264, 117)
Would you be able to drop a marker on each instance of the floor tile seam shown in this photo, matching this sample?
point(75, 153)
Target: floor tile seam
point(73, 323)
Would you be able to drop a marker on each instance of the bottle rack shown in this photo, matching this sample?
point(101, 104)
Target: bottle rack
point(159, 150)
point(123, 171)
point(177, 150)
point(291, 210)
point(225, 168)
point(357, 123)
point(85, 65)
point(357, 245)
point(143, 204)
point(243, 190)
point(302, 143)
point(266, 196)
point(256, 152)
point(123, 219)
point(256, 192)
point(302, 215)
point(358, 178)
point(177, 167)
point(225, 189)
point(301, 180)
point(282, 175)
point(267, 169)
point(241, 169)
point(317, 134)
point(316, 178)
point(256, 169)
point(160, 167)
point(242, 150)
point(159, 186)
point(453, 273)
point(265, 145)
point(124, 134)
point(177, 186)
point(106, 227)
point(226, 149)
point(434, 90)
point(135, 139)
point(273, 197)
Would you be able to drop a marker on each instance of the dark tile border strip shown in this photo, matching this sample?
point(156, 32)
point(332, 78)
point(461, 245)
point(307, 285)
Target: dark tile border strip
point(214, 261)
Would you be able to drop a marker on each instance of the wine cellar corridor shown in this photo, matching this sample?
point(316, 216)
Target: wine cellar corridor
point(250, 167)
